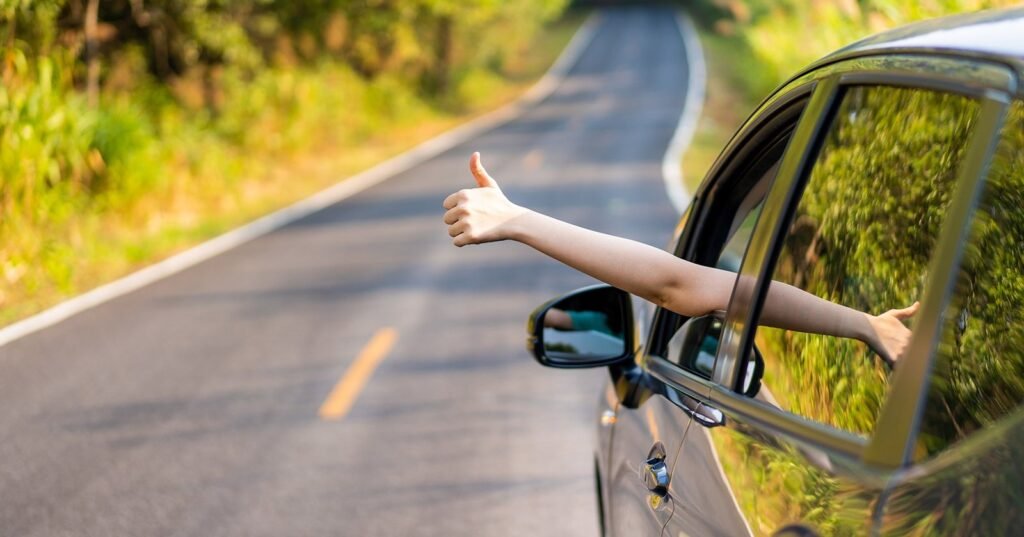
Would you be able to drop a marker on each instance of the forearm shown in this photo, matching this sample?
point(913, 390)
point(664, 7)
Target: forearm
point(556, 318)
point(791, 308)
point(683, 287)
point(637, 268)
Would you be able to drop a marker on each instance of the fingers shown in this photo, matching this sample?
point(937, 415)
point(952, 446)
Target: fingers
point(483, 179)
point(907, 312)
point(451, 201)
point(457, 229)
point(462, 240)
point(454, 214)
point(455, 205)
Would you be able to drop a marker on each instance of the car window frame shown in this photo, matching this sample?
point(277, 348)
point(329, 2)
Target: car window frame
point(758, 135)
point(992, 86)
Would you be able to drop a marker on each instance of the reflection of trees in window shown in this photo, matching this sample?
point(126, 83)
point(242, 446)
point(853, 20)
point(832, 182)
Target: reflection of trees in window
point(976, 492)
point(979, 371)
point(862, 236)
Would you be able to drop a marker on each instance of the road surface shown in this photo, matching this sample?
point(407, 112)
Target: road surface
point(190, 407)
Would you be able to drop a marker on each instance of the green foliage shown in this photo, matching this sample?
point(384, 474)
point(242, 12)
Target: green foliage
point(981, 367)
point(863, 236)
point(980, 371)
point(199, 104)
point(47, 167)
point(787, 35)
point(883, 265)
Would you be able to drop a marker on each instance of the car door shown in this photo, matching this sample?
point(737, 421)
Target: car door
point(645, 439)
point(729, 207)
point(653, 422)
point(854, 217)
point(643, 432)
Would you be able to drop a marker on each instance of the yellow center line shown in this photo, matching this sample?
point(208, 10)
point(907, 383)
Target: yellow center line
point(345, 393)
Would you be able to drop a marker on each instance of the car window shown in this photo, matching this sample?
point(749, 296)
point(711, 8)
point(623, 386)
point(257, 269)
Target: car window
point(743, 223)
point(739, 220)
point(978, 376)
point(861, 236)
point(702, 362)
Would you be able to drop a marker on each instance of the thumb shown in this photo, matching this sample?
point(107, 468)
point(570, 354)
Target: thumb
point(907, 312)
point(479, 173)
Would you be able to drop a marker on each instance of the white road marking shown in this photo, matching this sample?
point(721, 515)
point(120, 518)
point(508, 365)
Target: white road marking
point(671, 164)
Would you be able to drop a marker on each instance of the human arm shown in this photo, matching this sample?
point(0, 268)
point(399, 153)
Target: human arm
point(792, 308)
point(484, 214)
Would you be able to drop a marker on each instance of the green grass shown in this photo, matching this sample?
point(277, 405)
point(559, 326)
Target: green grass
point(144, 176)
point(729, 99)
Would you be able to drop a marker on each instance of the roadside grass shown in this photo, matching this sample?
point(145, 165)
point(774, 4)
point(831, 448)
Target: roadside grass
point(727, 103)
point(295, 132)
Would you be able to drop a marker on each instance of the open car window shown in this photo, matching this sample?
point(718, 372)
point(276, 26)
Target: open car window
point(727, 224)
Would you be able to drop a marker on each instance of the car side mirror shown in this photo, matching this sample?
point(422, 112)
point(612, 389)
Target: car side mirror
point(589, 327)
point(695, 346)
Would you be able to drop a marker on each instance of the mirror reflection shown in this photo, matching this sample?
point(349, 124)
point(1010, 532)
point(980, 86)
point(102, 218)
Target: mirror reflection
point(585, 326)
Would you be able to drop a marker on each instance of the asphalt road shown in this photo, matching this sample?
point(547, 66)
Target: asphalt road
point(190, 407)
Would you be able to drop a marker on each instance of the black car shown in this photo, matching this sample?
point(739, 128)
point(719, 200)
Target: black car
point(889, 172)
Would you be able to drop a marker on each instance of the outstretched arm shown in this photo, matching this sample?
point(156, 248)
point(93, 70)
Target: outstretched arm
point(484, 214)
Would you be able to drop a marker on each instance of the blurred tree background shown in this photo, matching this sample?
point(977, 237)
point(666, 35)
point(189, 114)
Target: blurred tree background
point(752, 46)
point(132, 128)
point(783, 36)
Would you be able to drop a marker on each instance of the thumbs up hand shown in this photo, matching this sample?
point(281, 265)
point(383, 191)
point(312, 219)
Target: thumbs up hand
point(482, 214)
point(483, 179)
point(891, 337)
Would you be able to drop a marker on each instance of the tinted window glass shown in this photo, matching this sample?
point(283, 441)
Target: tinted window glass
point(701, 362)
point(862, 236)
point(979, 369)
point(743, 224)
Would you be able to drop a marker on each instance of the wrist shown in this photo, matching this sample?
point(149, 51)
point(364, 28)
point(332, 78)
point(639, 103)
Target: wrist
point(519, 227)
point(865, 330)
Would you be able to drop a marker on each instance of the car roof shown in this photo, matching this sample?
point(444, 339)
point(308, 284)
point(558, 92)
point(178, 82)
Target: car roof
point(996, 35)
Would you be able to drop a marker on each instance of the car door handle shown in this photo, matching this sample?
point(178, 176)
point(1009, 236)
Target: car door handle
point(656, 476)
point(708, 416)
point(701, 413)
